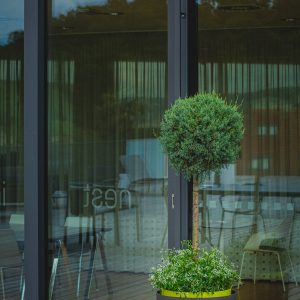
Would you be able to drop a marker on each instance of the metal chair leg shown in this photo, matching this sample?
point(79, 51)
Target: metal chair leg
point(164, 236)
point(52, 277)
point(90, 271)
point(293, 270)
point(233, 226)
point(79, 274)
point(21, 278)
point(93, 266)
point(242, 263)
point(255, 258)
point(96, 281)
point(23, 290)
point(103, 257)
point(264, 224)
point(278, 256)
point(208, 227)
point(221, 229)
point(137, 218)
point(79, 269)
point(92, 274)
point(2, 283)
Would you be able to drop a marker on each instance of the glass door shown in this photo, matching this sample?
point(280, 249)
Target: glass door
point(249, 53)
point(107, 91)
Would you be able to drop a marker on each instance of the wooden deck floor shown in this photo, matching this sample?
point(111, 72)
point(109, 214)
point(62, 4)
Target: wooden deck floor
point(129, 286)
point(267, 290)
point(136, 287)
point(124, 286)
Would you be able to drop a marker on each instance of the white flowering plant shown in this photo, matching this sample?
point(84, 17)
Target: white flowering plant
point(195, 271)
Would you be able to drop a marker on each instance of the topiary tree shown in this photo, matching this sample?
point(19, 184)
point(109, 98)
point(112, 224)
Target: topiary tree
point(201, 134)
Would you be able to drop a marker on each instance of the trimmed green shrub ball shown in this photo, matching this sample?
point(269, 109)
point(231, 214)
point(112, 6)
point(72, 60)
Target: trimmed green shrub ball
point(201, 134)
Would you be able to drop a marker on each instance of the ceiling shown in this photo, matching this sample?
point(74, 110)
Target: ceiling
point(115, 16)
point(250, 14)
point(145, 15)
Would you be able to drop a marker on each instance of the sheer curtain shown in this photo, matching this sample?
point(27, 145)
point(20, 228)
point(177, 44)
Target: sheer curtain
point(98, 99)
point(11, 129)
point(60, 117)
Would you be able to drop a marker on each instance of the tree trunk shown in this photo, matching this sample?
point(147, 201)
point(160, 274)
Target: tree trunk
point(195, 233)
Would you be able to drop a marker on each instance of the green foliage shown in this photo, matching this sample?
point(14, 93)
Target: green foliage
point(189, 270)
point(201, 134)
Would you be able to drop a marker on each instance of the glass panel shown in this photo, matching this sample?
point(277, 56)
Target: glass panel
point(249, 52)
point(107, 173)
point(11, 149)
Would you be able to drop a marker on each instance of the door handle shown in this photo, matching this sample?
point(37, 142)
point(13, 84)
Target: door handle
point(172, 199)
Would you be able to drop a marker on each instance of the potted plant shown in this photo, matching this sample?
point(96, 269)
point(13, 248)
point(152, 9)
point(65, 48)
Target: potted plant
point(200, 134)
point(189, 273)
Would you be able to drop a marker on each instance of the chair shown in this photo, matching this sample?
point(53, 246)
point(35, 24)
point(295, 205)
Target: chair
point(123, 199)
point(274, 241)
point(209, 211)
point(16, 223)
point(88, 231)
point(238, 205)
point(276, 208)
point(10, 257)
point(16, 220)
point(142, 184)
point(135, 182)
point(139, 178)
point(219, 213)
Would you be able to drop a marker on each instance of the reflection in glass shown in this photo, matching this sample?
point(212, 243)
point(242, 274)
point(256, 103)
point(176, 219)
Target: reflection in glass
point(107, 173)
point(249, 52)
point(11, 149)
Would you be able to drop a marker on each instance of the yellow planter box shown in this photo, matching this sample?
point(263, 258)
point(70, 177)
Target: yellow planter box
point(195, 295)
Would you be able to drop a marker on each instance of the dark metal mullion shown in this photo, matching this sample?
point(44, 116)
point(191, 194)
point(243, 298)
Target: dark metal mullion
point(182, 81)
point(191, 33)
point(189, 85)
point(35, 151)
point(174, 216)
